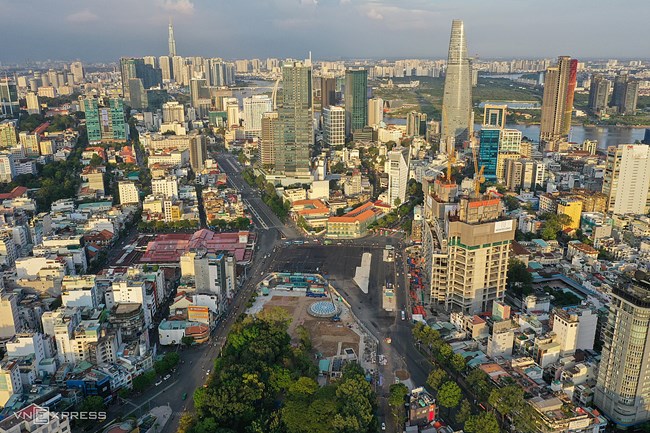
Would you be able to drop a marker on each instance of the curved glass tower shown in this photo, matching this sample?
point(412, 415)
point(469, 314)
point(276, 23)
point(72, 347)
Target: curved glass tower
point(457, 98)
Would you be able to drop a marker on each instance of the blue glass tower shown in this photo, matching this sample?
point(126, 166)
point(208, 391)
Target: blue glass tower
point(489, 151)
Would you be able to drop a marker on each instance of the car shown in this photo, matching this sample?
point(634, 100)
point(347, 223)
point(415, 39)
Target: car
point(158, 383)
point(207, 373)
point(383, 426)
point(167, 377)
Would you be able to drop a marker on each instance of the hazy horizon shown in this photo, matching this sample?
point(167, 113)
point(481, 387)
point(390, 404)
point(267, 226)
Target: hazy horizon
point(332, 29)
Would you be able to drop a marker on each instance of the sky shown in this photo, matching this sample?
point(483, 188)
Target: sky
point(104, 30)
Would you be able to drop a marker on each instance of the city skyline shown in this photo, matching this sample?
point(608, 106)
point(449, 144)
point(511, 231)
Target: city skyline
point(86, 31)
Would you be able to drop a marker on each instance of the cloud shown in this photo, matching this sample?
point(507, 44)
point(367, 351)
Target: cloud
point(374, 14)
point(344, 2)
point(179, 6)
point(84, 16)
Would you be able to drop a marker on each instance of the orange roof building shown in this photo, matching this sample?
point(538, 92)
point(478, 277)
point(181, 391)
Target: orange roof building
point(354, 224)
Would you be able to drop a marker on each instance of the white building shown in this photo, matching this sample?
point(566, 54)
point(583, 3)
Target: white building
point(173, 112)
point(397, 167)
point(28, 344)
point(7, 167)
point(10, 382)
point(167, 187)
point(627, 178)
point(333, 126)
point(575, 328)
point(254, 107)
point(510, 140)
point(80, 291)
point(128, 192)
point(375, 111)
point(134, 291)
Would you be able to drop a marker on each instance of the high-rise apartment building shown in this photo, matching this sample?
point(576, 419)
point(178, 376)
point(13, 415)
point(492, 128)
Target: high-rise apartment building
point(105, 120)
point(165, 63)
point(457, 96)
point(173, 111)
point(8, 134)
point(267, 143)
point(416, 124)
point(333, 126)
point(200, 97)
point(557, 103)
point(327, 91)
point(77, 71)
point(375, 111)
point(627, 179)
point(397, 167)
point(356, 100)
point(7, 167)
point(625, 95)
point(295, 128)
point(599, 94)
point(623, 384)
point(33, 107)
point(133, 69)
point(254, 107)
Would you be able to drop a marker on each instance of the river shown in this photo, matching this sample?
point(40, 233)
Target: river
point(605, 135)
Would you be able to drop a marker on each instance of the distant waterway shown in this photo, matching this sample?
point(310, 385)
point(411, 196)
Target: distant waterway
point(605, 135)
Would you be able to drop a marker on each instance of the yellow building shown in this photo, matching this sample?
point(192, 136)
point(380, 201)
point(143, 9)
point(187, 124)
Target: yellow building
point(573, 208)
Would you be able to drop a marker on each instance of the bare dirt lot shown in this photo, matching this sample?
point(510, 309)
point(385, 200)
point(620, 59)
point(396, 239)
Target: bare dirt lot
point(325, 334)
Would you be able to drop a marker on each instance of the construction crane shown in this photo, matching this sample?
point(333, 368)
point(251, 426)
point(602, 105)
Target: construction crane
point(478, 174)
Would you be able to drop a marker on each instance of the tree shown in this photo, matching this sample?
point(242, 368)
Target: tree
point(436, 378)
point(396, 402)
point(397, 201)
point(519, 279)
point(507, 400)
point(511, 203)
point(449, 395)
point(458, 363)
point(464, 412)
point(187, 341)
point(92, 403)
point(485, 422)
point(479, 382)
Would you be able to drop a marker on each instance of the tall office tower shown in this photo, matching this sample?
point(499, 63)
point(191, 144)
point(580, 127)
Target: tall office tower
point(178, 70)
point(625, 94)
point(599, 94)
point(254, 107)
point(416, 124)
point(200, 96)
point(457, 97)
point(138, 95)
point(77, 71)
point(135, 68)
point(173, 111)
point(327, 91)
point(495, 115)
point(295, 132)
point(333, 126)
point(171, 41)
point(356, 100)
point(198, 152)
point(267, 143)
point(478, 242)
point(627, 179)
point(623, 384)
point(9, 98)
point(397, 167)
point(33, 107)
point(105, 122)
point(165, 63)
point(375, 111)
point(489, 151)
point(557, 103)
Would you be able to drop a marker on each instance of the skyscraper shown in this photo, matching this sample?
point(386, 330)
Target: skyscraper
point(77, 70)
point(375, 111)
point(356, 100)
point(327, 91)
point(171, 41)
point(333, 126)
point(495, 115)
point(254, 107)
point(625, 95)
point(267, 143)
point(9, 98)
point(416, 124)
point(105, 122)
point(457, 97)
point(295, 132)
point(489, 151)
point(623, 386)
point(557, 103)
point(200, 96)
point(626, 181)
point(599, 94)
point(135, 68)
point(397, 167)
